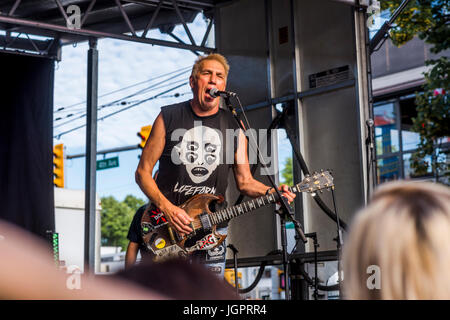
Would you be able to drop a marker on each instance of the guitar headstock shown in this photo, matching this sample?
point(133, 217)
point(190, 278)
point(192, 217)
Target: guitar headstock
point(316, 182)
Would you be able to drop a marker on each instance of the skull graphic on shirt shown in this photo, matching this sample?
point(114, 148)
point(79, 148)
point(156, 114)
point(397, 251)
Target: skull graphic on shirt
point(199, 151)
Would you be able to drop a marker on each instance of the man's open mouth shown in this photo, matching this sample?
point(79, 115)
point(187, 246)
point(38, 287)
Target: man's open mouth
point(199, 171)
point(208, 94)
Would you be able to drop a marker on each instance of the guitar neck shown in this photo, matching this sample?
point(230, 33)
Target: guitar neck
point(237, 210)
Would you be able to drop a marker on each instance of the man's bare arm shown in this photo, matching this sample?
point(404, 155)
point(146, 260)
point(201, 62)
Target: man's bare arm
point(131, 255)
point(150, 155)
point(245, 182)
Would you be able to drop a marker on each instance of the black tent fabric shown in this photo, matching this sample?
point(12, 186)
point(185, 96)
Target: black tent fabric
point(26, 152)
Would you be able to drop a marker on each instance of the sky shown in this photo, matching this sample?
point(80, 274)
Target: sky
point(122, 64)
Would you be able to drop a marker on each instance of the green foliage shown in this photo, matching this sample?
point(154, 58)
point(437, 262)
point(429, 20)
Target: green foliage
point(133, 202)
point(287, 173)
point(426, 18)
point(433, 118)
point(116, 218)
point(430, 20)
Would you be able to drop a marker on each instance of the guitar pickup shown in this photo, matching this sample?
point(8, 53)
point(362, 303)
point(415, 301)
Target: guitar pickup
point(205, 221)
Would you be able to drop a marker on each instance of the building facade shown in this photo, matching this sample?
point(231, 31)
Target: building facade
point(397, 75)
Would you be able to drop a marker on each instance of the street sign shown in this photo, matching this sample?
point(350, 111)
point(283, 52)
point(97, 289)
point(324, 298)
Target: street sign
point(108, 163)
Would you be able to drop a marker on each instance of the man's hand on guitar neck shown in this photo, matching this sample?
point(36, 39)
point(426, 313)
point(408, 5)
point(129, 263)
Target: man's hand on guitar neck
point(290, 196)
point(178, 218)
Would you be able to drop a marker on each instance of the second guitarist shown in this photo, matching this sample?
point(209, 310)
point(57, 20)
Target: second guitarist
point(195, 153)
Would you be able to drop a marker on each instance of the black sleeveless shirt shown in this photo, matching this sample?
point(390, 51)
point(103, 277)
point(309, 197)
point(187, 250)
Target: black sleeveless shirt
point(198, 152)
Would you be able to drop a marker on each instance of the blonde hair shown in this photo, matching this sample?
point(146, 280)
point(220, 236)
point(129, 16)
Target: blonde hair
point(213, 56)
point(405, 232)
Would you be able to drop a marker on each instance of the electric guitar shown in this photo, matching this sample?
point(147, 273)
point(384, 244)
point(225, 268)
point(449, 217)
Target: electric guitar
point(163, 241)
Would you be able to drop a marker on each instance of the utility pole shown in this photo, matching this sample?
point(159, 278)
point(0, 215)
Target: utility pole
point(91, 157)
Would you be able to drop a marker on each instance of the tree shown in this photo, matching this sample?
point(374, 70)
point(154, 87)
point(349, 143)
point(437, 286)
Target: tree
point(430, 20)
point(133, 203)
point(426, 18)
point(432, 121)
point(287, 172)
point(116, 218)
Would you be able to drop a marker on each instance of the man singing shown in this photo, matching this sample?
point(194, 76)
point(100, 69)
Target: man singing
point(189, 141)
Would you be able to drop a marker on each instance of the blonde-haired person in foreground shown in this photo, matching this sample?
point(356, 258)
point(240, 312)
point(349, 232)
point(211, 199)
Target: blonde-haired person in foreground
point(404, 233)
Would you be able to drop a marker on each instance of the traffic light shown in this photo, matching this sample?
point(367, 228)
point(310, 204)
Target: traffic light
point(144, 134)
point(58, 165)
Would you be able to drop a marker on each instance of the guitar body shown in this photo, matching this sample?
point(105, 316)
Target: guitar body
point(164, 242)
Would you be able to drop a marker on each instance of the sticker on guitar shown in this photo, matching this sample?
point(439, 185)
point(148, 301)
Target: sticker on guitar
point(206, 243)
point(157, 217)
point(173, 251)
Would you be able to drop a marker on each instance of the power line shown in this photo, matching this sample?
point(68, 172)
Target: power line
point(83, 113)
point(123, 109)
point(154, 86)
point(175, 95)
point(148, 99)
point(127, 87)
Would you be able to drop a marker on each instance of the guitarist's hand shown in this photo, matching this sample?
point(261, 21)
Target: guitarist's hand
point(178, 218)
point(290, 196)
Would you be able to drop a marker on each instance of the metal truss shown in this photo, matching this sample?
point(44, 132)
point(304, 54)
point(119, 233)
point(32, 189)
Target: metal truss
point(118, 19)
point(27, 46)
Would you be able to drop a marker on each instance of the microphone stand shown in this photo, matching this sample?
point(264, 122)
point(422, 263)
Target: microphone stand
point(235, 252)
point(313, 235)
point(285, 211)
point(339, 244)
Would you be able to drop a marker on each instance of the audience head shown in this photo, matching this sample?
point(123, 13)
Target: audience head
point(404, 236)
point(180, 279)
point(28, 271)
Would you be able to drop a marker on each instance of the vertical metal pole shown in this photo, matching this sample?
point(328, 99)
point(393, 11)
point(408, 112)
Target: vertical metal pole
point(300, 287)
point(91, 157)
point(296, 166)
point(373, 161)
point(364, 101)
point(270, 94)
point(268, 12)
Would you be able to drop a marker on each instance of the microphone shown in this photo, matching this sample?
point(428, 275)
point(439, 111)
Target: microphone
point(213, 92)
